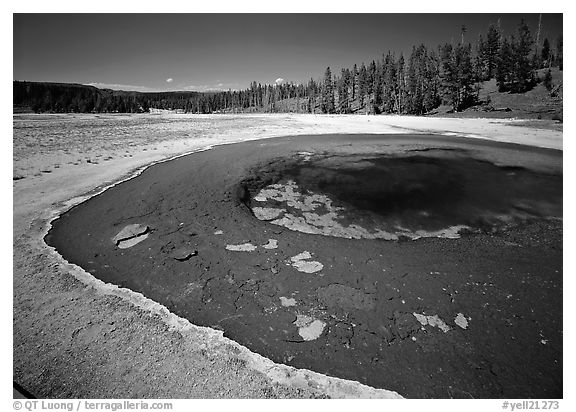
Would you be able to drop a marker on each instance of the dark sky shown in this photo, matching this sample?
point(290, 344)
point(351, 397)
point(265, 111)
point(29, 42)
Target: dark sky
point(222, 51)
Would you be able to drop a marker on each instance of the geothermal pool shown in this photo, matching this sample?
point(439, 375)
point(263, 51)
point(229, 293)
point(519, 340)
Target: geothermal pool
point(427, 265)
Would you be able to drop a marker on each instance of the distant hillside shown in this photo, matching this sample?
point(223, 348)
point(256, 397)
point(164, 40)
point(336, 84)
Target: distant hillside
point(538, 103)
point(35, 97)
point(78, 98)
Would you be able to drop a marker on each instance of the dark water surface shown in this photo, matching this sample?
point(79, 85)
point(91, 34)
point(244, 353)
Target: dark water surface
point(507, 283)
point(430, 191)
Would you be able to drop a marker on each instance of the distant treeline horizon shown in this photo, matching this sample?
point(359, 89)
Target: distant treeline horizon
point(450, 74)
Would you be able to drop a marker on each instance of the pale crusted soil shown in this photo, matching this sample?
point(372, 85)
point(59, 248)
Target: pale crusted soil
point(77, 340)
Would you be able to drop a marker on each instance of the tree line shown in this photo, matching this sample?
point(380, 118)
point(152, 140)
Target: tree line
point(42, 97)
point(450, 74)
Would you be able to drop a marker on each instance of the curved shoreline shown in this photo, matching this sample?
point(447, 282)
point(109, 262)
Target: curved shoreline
point(207, 170)
point(303, 379)
point(37, 277)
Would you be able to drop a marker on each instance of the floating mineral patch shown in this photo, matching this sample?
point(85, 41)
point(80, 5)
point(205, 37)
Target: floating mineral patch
point(272, 244)
point(308, 327)
point(289, 193)
point(244, 247)
point(267, 213)
point(452, 232)
point(302, 264)
point(312, 213)
point(287, 301)
point(131, 235)
point(183, 253)
point(433, 321)
point(461, 321)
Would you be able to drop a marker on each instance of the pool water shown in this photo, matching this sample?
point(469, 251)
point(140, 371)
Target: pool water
point(418, 194)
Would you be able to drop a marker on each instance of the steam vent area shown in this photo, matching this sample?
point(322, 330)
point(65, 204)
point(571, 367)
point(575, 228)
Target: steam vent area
point(427, 265)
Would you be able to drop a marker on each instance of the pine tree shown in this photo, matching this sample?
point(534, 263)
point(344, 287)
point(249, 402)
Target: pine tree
point(362, 83)
point(504, 66)
point(431, 98)
point(492, 50)
point(377, 87)
point(390, 83)
point(457, 76)
point(448, 76)
point(465, 76)
point(480, 61)
point(343, 92)
point(522, 78)
point(311, 93)
point(354, 82)
point(417, 78)
point(371, 78)
point(414, 97)
point(328, 93)
point(400, 85)
point(349, 89)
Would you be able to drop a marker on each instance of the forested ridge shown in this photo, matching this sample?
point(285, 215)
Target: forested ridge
point(450, 75)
